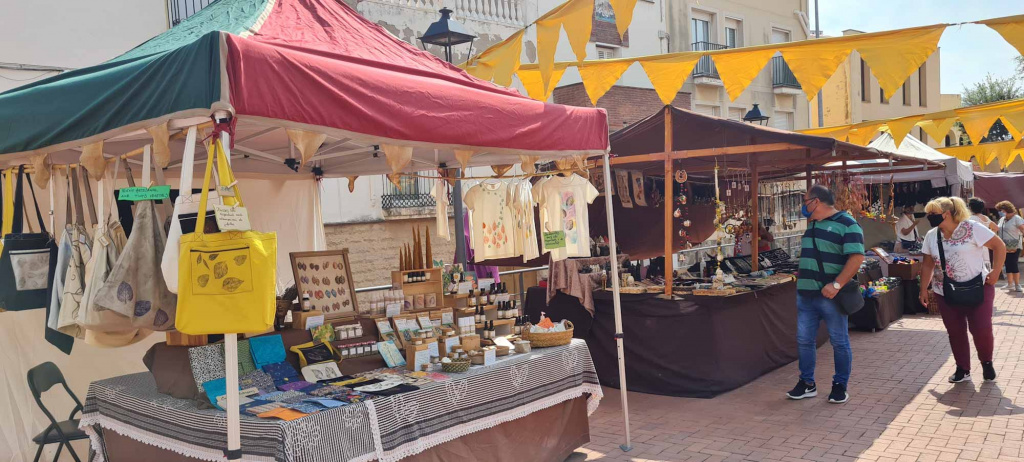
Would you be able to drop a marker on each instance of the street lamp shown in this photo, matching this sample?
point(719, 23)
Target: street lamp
point(755, 115)
point(446, 33)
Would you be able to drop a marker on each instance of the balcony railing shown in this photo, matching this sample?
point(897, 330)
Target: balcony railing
point(501, 11)
point(411, 193)
point(180, 10)
point(706, 67)
point(782, 76)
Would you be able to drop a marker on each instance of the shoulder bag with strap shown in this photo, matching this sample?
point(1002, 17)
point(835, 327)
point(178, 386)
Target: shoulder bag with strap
point(81, 253)
point(134, 287)
point(28, 260)
point(227, 279)
point(967, 294)
point(849, 300)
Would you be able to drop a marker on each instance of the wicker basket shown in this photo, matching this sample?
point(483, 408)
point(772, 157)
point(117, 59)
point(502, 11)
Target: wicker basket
point(548, 339)
point(458, 366)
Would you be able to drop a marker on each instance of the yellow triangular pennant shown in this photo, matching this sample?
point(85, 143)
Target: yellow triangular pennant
point(40, 169)
point(623, 14)
point(739, 68)
point(506, 59)
point(937, 126)
point(978, 124)
point(668, 74)
point(398, 157)
point(352, 183)
point(600, 76)
point(93, 161)
point(161, 144)
point(547, 43)
point(1016, 120)
point(894, 57)
point(839, 132)
point(578, 21)
point(307, 142)
point(813, 64)
point(1010, 28)
point(534, 84)
point(862, 134)
point(900, 128)
point(463, 156)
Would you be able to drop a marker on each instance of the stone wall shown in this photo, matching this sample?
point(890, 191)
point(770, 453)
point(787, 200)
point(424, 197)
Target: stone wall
point(625, 105)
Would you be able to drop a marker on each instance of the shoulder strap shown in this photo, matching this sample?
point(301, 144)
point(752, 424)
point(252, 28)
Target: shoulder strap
point(89, 199)
point(68, 217)
point(817, 253)
point(76, 196)
point(18, 221)
point(39, 215)
point(942, 254)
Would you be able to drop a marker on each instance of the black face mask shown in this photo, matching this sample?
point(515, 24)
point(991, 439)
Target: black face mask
point(935, 219)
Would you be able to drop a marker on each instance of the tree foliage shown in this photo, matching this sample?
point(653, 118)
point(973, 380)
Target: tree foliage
point(991, 90)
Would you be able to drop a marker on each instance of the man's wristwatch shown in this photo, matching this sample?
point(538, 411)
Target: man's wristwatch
point(836, 285)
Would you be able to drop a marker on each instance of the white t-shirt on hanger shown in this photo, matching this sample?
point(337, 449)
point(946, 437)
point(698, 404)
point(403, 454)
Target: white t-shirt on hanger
point(440, 194)
point(491, 221)
point(563, 202)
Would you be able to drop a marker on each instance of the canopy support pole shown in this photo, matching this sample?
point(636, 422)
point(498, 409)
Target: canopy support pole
point(460, 228)
point(669, 202)
point(755, 234)
point(613, 249)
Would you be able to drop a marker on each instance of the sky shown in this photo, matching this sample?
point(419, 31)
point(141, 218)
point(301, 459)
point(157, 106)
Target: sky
point(968, 52)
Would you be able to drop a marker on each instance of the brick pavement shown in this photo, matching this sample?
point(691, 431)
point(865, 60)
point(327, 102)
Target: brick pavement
point(901, 407)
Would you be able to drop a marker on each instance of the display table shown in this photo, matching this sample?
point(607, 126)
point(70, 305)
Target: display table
point(562, 306)
point(699, 347)
point(880, 311)
point(503, 402)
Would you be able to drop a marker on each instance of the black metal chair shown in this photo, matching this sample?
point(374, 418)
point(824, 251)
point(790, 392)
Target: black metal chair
point(40, 379)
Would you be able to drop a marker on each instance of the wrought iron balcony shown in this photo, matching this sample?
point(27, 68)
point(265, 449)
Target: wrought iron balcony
point(180, 10)
point(411, 193)
point(706, 67)
point(782, 76)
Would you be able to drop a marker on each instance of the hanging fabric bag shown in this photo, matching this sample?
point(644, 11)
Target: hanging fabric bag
point(228, 279)
point(134, 287)
point(186, 209)
point(81, 253)
point(62, 341)
point(28, 260)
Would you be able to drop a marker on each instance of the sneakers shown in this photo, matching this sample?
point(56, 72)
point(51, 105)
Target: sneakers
point(962, 376)
point(803, 390)
point(1017, 288)
point(839, 394)
point(988, 371)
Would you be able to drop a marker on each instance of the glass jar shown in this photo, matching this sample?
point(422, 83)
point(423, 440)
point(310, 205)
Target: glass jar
point(359, 330)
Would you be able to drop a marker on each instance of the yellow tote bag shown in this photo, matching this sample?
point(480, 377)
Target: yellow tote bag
point(226, 281)
point(7, 219)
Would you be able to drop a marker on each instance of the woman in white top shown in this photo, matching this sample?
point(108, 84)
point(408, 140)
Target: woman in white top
point(964, 242)
point(977, 207)
point(1011, 226)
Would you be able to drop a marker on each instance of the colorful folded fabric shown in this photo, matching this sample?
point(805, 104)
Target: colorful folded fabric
point(245, 363)
point(207, 363)
point(268, 349)
point(282, 373)
point(297, 385)
point(304, 407)
point(282, 413)
point(257, 379)
point(215, 389)
point(326, 390)
point(325, 403)
point(283, 396)
point(261, 408)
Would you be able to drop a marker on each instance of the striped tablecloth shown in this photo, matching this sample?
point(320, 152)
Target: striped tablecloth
point(386, 429)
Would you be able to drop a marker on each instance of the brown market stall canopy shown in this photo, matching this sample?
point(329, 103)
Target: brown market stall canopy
point(677, 139)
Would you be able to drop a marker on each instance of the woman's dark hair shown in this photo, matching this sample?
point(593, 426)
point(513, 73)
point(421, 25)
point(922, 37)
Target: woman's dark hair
point(976, 205)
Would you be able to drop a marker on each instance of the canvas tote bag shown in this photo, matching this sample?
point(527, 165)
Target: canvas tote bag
point(186, 208)
point(28, 260)
point(81, 253)
point(134, 287)
point(105, 327)
point(62, 341)
point(228, 279)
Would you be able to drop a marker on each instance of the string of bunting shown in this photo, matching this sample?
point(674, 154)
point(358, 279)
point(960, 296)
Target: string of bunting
point(893, 56)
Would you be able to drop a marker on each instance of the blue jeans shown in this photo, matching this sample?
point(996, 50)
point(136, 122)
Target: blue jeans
point(811, 309)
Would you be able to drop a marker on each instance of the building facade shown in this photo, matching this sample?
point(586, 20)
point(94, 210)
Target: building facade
point(852, 95)
point(706, 25)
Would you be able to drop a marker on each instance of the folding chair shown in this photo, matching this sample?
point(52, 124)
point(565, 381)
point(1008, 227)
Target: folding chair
point(40, 379)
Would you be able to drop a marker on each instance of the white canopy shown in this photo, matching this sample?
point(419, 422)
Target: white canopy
point(957, 172)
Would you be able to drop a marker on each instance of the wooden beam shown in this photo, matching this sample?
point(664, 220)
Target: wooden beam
point(807, 172)
point(669, 202)
point(755, 234)
point(733, 150)
point(656, 157)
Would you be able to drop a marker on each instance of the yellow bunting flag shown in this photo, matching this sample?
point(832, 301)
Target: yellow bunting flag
point(93, 161)
point(528, 163)
point(1016, 121)
point(307, 142)
point(839, 132)
point(501, 170)
point(499, 62)
point(578, 21)
point(481, 70)
point(599, 77)
point(900, 128)
point(398, 157)
point(668, 74)
point(576, 17)
point(161, 144)
point(937, 125)
point(41, 169)
point(894, 56)
point(813, 64)
point(352, 183)
point(547, 43)
point(964, 153)
point(623, 14)
point(463, 155)
point(862, 134)
point(739, 69)
point(977, 124)
point(1011, 28)
point(534, 83)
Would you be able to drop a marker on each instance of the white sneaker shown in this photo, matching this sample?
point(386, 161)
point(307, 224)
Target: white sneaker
point(1017, 288)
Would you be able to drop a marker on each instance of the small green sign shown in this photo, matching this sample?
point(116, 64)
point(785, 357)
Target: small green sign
point(554, 240)
point(153, 193)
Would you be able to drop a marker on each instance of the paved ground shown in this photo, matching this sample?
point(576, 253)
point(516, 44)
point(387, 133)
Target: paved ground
point(901, 409)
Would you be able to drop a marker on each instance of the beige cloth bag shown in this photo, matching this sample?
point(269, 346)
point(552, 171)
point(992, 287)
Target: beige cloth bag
point(81, 253)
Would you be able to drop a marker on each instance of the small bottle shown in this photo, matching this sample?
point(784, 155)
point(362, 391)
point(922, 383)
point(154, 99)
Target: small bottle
point(477, 316)
point(494, 293)
point(359, 330)
point(471, 300)
point(306, 306)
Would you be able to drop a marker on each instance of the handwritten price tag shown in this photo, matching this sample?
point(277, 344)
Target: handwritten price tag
point(231, 218)
point(554, 240)
point(136, 194)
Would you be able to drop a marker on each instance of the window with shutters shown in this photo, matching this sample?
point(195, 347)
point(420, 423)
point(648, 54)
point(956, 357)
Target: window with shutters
point(607, 52)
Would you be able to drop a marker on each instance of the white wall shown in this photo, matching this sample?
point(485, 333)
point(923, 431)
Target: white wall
point(72, 34)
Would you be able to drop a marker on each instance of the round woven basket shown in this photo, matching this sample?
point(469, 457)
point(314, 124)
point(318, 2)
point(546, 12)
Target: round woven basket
point(548, 339)
point(455, 366)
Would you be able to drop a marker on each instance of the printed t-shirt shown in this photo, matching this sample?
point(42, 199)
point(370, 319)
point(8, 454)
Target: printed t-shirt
point(563, 202)
point(964, 251)
point(440, 194)
point(491, 221)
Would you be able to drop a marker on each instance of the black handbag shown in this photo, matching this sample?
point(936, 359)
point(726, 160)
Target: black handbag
point(967, 294)
point(849, 300)
point(28, 260)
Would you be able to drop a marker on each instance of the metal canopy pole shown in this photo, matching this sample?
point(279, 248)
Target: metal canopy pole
point(460, 231)
point(614, 252)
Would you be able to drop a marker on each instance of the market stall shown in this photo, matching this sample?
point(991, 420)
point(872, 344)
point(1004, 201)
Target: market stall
point(214, 85)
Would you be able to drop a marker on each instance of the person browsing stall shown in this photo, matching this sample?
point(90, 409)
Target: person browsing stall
point(963, 287)
point(1010, 227)
point(837, 240)
point(977, 207)
point(906, 228)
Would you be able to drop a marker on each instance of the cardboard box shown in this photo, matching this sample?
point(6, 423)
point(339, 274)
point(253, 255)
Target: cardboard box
point(470, 342)
point(415, 355)
point(904, 270)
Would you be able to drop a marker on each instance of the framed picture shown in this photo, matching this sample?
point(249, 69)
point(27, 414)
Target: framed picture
point(326, 277)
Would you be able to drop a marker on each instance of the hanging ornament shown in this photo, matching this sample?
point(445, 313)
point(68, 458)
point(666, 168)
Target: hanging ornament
point(682, 233)
point(730, 229)
point(686, 223)
point(681, 176)
point(682, 200)
point(678, 213)
point(728, 193)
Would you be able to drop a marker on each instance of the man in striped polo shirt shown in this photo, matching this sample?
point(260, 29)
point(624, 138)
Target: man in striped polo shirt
point(840, 246)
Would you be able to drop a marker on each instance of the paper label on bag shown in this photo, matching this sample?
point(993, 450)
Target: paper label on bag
point(503, 297)
point(225, 191)
point(465, 287)
point(231, 218)
point(447, 317)
point(432, 348)
point(314, 321)
point(393, 309)
point(490, 356)
point(449, 343)
point(554, 240)
point(153, 193)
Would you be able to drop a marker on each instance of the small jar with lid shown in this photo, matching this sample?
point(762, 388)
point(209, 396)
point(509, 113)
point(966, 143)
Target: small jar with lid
point(358, 329)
